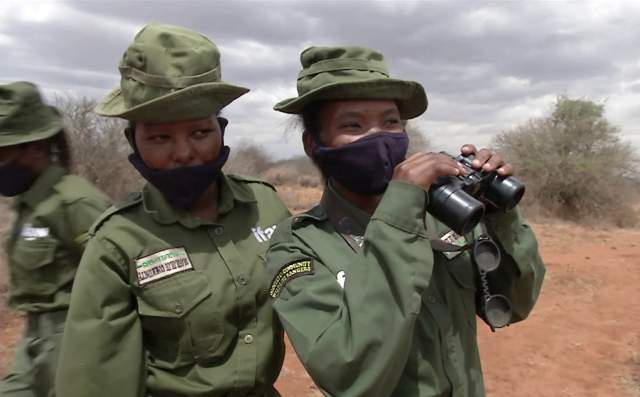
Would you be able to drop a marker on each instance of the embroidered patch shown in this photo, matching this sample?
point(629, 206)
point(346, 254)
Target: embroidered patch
point(288, 272)
point(162, 264)
point(263, 235)
point(453, 238)
point(31, 233)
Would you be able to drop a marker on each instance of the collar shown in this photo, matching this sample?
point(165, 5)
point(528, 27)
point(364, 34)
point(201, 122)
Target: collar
point(345, 217)
point(229, 193)
point(41, 187)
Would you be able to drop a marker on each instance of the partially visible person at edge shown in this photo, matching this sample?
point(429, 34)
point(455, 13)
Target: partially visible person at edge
point(370, 306)
point(53, 213)
point(171, 295)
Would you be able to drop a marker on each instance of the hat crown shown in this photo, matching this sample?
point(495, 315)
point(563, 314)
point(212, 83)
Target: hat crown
point(24, 116)
point(330, 65)
point(165, 58)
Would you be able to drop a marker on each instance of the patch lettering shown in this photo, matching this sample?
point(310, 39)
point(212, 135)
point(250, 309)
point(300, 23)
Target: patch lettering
point(288, 272)
point(453, 238)
point(31, 233)
point(162, 265)
point(263, 235)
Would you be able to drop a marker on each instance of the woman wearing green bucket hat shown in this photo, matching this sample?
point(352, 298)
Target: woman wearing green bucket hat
point(372, 303)
point(170, 298)
point(54, 211)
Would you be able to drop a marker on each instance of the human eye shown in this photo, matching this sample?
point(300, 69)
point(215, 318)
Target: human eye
point(201, 133)
point(158, 138)
point(392, 121)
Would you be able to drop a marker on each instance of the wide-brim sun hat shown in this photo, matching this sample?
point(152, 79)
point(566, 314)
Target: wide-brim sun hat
point(24, 117)
point(169, 74)
point(339, 73)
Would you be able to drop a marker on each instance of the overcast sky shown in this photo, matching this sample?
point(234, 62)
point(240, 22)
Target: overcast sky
point(486, 66)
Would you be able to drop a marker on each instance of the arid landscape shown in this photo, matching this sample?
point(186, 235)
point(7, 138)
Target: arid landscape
point(582, 339)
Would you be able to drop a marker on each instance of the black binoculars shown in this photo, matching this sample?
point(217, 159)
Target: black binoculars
point(459, 201)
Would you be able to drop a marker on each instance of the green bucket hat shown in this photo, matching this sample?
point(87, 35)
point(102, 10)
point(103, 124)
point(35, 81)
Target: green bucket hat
point(336, 73)
point(24, 117)
point(169, 74)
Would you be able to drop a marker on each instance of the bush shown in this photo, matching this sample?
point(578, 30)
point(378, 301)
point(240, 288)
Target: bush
point(574, 163)
point(247, 159)
point(99, 149)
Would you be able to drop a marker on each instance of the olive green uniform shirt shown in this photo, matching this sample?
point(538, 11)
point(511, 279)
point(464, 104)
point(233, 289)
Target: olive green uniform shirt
point(167, 304)
point(375, 311)
point(48, 237)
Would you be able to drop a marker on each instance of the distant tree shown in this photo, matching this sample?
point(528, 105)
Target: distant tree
point(247, 159)
point(98, 146)
point(418, 141)
point(574, 162)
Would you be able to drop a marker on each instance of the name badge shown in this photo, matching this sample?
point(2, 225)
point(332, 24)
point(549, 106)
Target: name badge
point(162, 265)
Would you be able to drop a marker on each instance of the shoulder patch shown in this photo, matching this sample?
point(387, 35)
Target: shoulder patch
point(288, 272)
point(245, 179)
point(129, 201)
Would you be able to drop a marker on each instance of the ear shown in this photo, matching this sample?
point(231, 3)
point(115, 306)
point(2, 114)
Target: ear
point(308, 143)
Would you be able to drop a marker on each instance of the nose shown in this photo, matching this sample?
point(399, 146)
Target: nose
point(183, 153)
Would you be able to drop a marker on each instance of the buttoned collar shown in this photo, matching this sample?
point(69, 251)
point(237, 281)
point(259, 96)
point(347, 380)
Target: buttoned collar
point(229, 193)
point(41, 187)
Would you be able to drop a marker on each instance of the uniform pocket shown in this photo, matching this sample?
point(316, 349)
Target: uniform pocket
point(180, 324)
point(33, 267)
point(34, 254)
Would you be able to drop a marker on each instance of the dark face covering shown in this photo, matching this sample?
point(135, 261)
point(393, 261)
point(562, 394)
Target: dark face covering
point(366, 165)
point(15, 179)
point(182, 186)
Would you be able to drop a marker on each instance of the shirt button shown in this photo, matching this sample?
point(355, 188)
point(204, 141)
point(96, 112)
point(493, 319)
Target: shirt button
point(219, 230)
point(248, 339)
point(431, 299)
point(178, 308)
point(243, 280)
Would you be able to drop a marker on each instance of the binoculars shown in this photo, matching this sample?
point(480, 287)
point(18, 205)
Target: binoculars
point(459, 201)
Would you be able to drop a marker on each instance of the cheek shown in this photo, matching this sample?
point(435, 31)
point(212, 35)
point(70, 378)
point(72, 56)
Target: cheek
point(207, 150)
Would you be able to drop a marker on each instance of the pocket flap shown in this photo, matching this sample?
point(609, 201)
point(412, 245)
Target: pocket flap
point(173, 297)
point(34, 254)
point(462, 271)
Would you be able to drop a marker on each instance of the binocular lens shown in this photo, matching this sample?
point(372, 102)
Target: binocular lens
point(486, 254)
point(505, 192)
point(497, 311)
point(455, 207)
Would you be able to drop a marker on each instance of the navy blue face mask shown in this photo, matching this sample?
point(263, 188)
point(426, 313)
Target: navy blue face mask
point(15, 179)
point(366, 165)
point(182, 186)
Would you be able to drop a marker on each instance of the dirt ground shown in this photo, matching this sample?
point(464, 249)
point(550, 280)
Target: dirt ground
point(582, 339)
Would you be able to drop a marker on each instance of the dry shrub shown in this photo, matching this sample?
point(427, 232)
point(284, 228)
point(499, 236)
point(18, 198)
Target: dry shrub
point(297, 171)
point(99, 148)
point(247, 159)
point(575, 165)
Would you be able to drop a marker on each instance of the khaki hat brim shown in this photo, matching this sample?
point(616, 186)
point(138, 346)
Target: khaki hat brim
point(410, 95)
point(196, 101)
point(51, 129)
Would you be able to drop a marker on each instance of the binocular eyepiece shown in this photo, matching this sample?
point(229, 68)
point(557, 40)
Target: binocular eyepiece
point(459, 201)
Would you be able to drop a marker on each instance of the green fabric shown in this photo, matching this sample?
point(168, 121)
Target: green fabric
point(44, 249)
point(403, 324)
point(202, 332)
point(336, 73)
point(32, 371)
point(168, 74)
point(24, 117)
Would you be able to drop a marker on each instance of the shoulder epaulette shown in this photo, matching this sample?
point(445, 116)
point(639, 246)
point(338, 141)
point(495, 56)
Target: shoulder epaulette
point(246, 179)
point(129, 201)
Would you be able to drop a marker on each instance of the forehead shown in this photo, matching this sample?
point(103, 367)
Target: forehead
point(358, 107)
point(177, 126)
